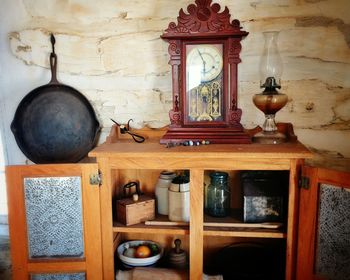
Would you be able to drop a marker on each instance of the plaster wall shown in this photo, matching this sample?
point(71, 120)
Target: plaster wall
point(112, 53)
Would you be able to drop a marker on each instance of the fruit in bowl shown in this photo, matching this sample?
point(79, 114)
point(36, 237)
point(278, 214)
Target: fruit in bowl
point(143, 251)
point(139, 253)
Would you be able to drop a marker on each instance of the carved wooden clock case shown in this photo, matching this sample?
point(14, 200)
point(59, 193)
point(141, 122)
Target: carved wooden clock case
point(204, 49)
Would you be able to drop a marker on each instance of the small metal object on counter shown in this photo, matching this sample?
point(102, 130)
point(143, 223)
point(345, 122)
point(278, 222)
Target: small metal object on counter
point(188, 143)
point(177, 257)
point(126, 129)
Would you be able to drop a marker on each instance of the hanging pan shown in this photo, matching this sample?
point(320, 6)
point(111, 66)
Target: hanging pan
point(55, 123)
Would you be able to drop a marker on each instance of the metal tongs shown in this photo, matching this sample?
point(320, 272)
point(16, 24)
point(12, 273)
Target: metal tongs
point(125, 129)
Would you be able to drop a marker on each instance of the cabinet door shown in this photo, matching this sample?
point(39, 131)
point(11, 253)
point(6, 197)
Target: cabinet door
point(54, 222)
point(324, 224)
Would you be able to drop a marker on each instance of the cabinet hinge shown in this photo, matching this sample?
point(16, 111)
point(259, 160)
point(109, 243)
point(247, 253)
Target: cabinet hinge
point(96, 178)
point(304, 182)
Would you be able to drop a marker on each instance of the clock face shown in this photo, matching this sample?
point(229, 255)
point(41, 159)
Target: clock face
point(204, 61)
point(204, 83)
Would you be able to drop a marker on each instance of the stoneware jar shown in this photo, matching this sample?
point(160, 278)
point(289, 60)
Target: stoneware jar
point(162, 186)
point(179, 199)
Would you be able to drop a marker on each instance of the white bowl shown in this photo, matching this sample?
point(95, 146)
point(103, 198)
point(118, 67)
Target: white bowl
point(138, 261)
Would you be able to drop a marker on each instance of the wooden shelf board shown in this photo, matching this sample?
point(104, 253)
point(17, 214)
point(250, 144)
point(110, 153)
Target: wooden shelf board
point(208, 231)
point(243, 232)
point(142, 228)
point(235, 218)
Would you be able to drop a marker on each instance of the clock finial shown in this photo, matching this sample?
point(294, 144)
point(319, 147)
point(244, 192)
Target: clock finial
point(203, 17)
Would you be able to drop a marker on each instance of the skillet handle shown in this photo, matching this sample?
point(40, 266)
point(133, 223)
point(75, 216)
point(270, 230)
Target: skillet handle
point(53, 62)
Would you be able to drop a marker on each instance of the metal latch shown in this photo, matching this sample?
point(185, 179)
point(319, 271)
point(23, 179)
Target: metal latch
point(96, 179)
point(304, 182)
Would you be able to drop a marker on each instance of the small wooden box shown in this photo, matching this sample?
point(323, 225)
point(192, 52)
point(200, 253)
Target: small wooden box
point(130, 212)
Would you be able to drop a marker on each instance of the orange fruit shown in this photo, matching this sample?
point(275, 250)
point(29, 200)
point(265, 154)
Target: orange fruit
point(142, 251)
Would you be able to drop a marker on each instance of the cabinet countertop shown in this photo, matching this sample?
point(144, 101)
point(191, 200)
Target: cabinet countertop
point(126, 149)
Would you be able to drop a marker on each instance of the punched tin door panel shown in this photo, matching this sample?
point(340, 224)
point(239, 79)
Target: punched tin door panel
point(324, 223)
point(54, 221)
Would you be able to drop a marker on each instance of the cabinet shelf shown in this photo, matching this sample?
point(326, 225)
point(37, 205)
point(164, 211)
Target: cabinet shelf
point(164, 226)
point(234, 226)
point(142, 228)
point(153, 229)
point(243, 232)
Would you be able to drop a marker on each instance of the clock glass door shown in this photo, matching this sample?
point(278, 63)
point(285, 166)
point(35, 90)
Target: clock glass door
point(204, 102)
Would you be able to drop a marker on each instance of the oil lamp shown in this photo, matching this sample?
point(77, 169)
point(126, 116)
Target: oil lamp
point(270, 101)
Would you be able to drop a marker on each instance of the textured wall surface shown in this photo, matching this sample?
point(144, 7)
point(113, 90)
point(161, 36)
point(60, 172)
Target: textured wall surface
point(111, 52)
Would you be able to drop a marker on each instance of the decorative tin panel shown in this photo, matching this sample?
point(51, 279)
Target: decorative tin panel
point(54, 217)
point(333, 240)
point(70, 276)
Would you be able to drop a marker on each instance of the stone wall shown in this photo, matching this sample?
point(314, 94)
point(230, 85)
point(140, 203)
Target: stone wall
point(111, 52)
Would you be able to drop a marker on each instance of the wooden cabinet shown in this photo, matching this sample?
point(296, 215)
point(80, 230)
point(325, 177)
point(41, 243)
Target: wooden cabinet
point(54, 222)
point(124, 161)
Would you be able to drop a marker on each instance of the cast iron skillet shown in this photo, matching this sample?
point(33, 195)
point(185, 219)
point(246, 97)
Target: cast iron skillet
point(55, 123)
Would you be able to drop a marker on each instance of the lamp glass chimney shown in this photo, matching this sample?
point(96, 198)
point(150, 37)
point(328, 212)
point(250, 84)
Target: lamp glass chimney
point(271, 65)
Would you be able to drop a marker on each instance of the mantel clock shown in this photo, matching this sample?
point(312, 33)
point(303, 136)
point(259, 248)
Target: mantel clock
point(204, 49)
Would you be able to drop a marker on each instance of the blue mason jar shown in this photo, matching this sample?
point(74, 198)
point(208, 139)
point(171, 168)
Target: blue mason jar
point(218, 195)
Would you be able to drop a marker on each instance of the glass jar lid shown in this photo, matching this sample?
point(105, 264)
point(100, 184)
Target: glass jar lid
point(218, 175)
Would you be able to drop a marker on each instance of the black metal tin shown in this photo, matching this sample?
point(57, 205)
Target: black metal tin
point(265, 196)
